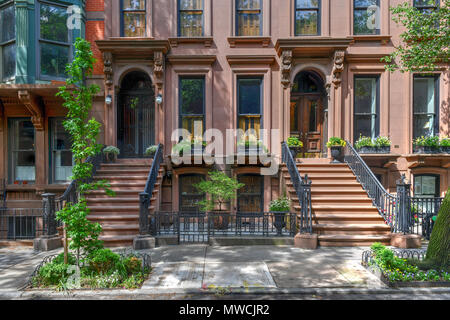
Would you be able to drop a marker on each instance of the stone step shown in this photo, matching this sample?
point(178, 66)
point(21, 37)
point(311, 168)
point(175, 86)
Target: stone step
point(352, 229)
point(117, 241)
point(116, 219)
point(352, 240)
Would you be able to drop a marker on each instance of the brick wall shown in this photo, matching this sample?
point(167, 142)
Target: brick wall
point(95, 5)
point(95, 29)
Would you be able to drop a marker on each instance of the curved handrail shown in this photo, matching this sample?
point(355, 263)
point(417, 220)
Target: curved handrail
point(154, 171)
point(302, 189)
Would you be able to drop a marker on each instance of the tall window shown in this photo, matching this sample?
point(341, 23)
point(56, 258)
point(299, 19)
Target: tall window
point(54, 41)
point(250, 104)
point(190, 17)
point(7, 42)
point(367, 122)
point(61, 158)
point(189, 195)
point(22, 168)
point(307, 17)
point(426, 5)
point(426, 106)
point(366, 17)
point(192, 105)
point(133, 18)
point(426, 186)
point(248, 17)
point(251, 196)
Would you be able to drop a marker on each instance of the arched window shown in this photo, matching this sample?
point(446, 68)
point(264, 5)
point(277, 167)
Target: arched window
point(308, 82)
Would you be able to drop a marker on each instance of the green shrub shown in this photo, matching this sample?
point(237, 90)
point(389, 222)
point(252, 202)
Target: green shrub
point(382, 142)
point(112, 149)
point(336, 142)
point(280, 205)
point(445, 142)
point(151, 150)
point(132, 264)
point(364, 142)
point(52, 274)
point(294, 142)
point(429, 141)
point(104, 261)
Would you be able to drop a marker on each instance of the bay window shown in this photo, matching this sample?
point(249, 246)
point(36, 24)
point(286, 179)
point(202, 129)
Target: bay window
point(426, 106)
point(190, 18)
point(366, 107)
point(54, 41)
point(307, 17)
point(7, 42)
point(133, 18)
point(248, 17)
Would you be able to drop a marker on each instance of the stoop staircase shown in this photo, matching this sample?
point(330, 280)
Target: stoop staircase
point(342, 212)
point(119, 215)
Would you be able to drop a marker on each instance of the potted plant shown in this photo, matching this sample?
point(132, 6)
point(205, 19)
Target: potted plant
point(279, 208)
point(150, 151)
point(220, 189)
point(295, 146)
point(336, 146)
point(383, 145)
point(111, 153)
point(365, 145)
point(445, 145)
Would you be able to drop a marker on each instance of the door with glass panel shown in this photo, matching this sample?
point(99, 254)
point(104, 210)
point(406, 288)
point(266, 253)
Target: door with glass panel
point(22, 160)
point(136, 115)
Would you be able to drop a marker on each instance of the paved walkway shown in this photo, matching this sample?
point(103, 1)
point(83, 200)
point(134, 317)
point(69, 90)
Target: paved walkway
point(190, 271)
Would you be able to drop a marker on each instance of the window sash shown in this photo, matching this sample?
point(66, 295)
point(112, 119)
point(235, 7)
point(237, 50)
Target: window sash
point(20, 173)
point(54, 150)
point(374, 111)
point(190, 30)
point(189, 121)
point(432, 108)
point(315, 9)
point(140, 12)
point(246, 25)
point(2, 9)
point(363, 8)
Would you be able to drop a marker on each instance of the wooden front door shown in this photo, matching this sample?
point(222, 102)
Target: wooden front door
point(307, 124)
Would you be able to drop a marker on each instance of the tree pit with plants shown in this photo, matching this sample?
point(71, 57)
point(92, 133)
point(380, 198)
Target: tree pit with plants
point(399, 272)
point(102, 269)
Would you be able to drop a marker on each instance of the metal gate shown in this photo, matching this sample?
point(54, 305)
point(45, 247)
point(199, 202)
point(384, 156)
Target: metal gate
point(188, 227)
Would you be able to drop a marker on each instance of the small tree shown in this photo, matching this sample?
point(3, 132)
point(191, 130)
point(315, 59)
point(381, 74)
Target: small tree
point(424, 45)
point(84, 131)
point(220, 189)
point(438, 252)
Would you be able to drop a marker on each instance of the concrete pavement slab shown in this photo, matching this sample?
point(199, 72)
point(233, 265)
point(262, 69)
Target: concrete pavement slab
point(175, 275)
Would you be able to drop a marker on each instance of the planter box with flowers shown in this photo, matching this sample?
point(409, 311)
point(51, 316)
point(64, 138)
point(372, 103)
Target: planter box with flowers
point(187, 147)
point(367, 145)
point(427, 145)
point(295, 146)
point(445, 145)
point(336, 146)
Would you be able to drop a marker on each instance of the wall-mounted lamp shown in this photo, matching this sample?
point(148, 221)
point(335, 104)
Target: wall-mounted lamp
point(108, 99)
point(159, 99)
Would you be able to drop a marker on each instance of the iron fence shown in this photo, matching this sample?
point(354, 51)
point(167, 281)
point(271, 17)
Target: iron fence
point(22, 224)
point(423, 211)
point(197, 227)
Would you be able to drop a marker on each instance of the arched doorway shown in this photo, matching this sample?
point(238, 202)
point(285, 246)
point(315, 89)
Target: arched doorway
point(135, 115)
point(307, 119)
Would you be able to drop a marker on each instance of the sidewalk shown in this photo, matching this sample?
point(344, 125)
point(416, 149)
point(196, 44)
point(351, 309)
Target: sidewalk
point(199, 271)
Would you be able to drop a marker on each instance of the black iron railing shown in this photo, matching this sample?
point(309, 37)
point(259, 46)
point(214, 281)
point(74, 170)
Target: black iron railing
point(302, 189)
point(145, 196)
point(198, 227)
point(403, 213)
point(22, 224)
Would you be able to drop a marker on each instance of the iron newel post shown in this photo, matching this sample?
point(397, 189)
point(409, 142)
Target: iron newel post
point(404, 219)
point(49, 214)
point(144, 203)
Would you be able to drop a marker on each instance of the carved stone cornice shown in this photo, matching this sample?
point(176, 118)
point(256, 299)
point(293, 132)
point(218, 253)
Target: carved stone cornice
point(286, 66)
point(338, 68)
point(31, 102)
point(108, 68)
point(158, 69)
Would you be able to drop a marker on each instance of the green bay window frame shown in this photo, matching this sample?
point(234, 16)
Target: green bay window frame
point(371, 114)
point(249, 21)
point(137, 12)
point(249, 119)
point(7, 41)
point(305, 8)
point(188, 109)
point(64, 46)
point(429, 113)
point(426, 5)
point(190, 13)
point(60, 152)
point(360, 11)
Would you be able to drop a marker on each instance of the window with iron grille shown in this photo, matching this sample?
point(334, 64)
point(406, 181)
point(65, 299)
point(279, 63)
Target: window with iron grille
point(251, 196)
point(55, 41)
point(248, 17)
point(7, 41)
point(190, 18)
point(366, 107)
point(426, 6)
point(133, 18)
point(250, 105)
point(307, 17)
point(426, 106)
point(189, 195)
point(366, 16)
point(61, 157)
point(192, 105)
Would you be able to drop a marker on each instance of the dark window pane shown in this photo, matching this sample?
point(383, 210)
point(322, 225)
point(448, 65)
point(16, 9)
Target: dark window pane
point(365, 3)
point(133, 4)
point(249, 24)
point(54, 59)
point(7, 24)
point(424, 99)
point(191, 24)
point(363, 126)
point(134, 24)
point(189, 195)
point(192, 96)
point(9, 61)
point(22, 155)
point(423, 125)
point(250, 96)
point(191, 4)
point(306, 22)
point(54, 23)
point(426, 186)
point(361, 22)
point(307, 82)
point(425, 3)
point(249, 4)
point(302, 4)
point(313, 117)
point(365, 95)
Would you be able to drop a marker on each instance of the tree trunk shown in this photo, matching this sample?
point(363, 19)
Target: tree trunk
point(439, 247)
